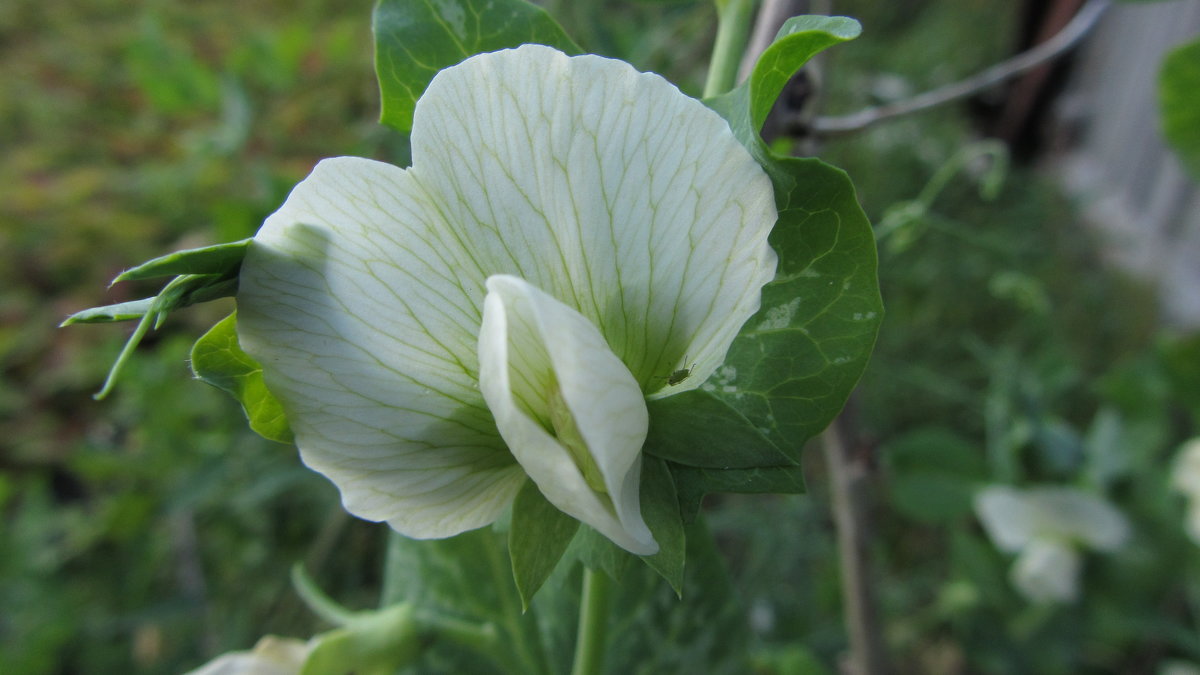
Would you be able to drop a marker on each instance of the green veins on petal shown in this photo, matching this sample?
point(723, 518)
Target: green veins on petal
point(576, 185)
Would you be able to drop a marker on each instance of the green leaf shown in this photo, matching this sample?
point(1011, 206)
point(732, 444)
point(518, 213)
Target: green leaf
point(414, 39)
point(660, 508)
point(801, 37)
point(791, 369)
point(1179, 100)
point(694, 483)
point(219, 360)
point(221, 259)
point(696, 428)
point(122, 311)
point(794, 364)
point(537, 538)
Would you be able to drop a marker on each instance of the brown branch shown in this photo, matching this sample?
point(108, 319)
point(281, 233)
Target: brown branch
point(1062, 42)
point(848, 479)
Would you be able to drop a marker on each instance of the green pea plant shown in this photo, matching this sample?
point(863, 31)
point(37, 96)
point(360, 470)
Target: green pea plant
point(589, 301)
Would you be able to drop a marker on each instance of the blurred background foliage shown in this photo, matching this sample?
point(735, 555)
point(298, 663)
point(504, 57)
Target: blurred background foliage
point(150, 531)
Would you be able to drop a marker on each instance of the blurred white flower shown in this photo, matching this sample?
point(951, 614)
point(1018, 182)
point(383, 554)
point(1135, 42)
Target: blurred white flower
point(1185, 478)
point(271, 656)
point(1047, 527)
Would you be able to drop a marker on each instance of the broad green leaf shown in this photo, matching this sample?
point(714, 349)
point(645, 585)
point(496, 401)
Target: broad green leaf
point(694, 483)
point(122, 311)
point(696, 428)
point(219, 360)
point(221, 260)
point(537, 538)
point(414, 39)
point(660, 508)
point(1179, 99)
point(793, 365)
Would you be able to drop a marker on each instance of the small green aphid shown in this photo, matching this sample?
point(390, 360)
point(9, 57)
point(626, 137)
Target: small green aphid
point(679, 376)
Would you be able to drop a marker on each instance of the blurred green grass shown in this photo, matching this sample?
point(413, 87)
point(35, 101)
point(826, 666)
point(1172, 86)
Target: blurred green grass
point(150, 531)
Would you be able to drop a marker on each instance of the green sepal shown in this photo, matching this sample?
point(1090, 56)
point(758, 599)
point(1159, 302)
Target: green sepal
point(537, 538)
point(415, 40)
point(660, 508)
point(122, 311)
point(221, 259)
point(1179, 102)
point(694, 483)
point(598, 553)
point(218, 359)
point(181, 291)
point(539, 535)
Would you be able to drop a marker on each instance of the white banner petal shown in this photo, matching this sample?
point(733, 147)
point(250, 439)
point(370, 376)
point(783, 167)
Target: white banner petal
point(363, 309)
point(571, 412)
point(608, 189)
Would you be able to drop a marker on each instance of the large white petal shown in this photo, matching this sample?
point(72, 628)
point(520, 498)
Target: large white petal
point(608, 189)
point(363, 308)
point(570, 411)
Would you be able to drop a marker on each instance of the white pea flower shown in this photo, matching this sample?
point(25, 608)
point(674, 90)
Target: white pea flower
point(571, 233)
point(270, 656)
point(1047, 527)
point(1185, 478)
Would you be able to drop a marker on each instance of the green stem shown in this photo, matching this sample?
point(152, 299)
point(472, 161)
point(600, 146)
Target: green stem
point(483, 638)
point(733, 32)
point(593, 623)
point(524, 650)
point(321, 604)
